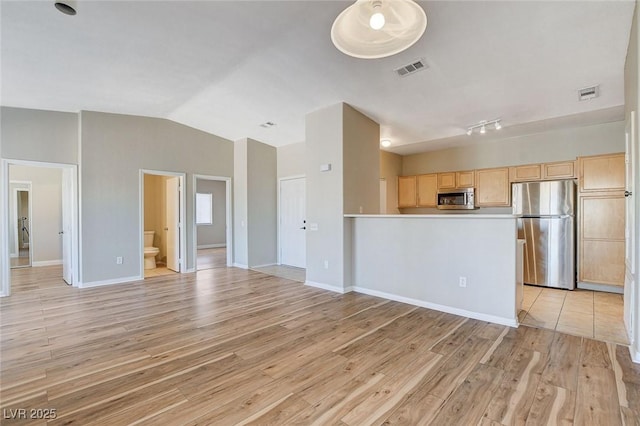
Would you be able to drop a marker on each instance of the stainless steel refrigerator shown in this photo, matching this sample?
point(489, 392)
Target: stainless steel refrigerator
point(548, 227)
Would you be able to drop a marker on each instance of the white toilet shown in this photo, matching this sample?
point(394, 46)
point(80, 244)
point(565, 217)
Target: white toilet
point(150, 252)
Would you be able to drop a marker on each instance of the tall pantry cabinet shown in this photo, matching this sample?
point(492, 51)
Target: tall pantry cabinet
point(601, 245)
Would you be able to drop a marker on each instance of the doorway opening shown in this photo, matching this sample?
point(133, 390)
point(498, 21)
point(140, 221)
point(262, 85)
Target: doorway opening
point(212, 237)
point(20, 220)
point(292, 228)
point(162, 236)
point(40, 219)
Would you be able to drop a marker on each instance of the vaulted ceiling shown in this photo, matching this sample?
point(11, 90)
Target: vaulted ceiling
point(227, 67)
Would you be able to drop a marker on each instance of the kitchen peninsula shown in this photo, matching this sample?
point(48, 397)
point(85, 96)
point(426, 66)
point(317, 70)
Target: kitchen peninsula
point(463, 264)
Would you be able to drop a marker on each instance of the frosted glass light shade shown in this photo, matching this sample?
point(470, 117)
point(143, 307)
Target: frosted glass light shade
point(405, 22)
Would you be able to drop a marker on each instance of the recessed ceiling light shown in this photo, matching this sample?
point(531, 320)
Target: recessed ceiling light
point(65, 7)
point(386, 143)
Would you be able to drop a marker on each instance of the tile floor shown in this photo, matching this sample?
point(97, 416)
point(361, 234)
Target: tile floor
point(586, 313)
point(157, 272)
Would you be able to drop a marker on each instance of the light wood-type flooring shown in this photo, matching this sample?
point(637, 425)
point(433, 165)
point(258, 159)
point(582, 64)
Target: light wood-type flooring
point(228, 346)
point(212, 258)
point(585, 313)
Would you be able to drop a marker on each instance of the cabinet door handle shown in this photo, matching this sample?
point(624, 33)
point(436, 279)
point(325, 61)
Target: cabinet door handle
point(628, 193)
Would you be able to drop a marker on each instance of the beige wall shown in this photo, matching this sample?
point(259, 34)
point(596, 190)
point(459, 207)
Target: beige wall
point(115, 148)
point(255, 206)
point(349, 141)
point(557, 145)
point(390, 169)
point(216, 233)
point(36, 135)
point(262, 209)
point(291, 159)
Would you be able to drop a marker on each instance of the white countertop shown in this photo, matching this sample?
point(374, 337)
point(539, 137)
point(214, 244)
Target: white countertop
point(435, 216)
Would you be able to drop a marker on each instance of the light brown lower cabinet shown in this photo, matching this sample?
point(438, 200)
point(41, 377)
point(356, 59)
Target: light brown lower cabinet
point(601, 245)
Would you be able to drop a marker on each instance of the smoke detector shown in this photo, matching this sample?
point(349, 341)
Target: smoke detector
point(589, 93)
point(268, 124)
point(411, 68)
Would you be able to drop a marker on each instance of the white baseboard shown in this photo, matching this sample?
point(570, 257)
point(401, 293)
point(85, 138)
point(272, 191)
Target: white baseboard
point(329, 287)
point(46, 263)
point(601, 287)
point(190, 270)
point(264, 266)
point(206, 246)
point(240, 265)
point(442, 308)
point(122, 280)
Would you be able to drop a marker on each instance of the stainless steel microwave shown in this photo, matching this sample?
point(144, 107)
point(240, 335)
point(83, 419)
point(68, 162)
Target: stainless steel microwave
point(457, 199)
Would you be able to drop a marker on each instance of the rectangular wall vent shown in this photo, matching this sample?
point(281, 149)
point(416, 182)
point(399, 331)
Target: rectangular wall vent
point(411, 68)
point(588, 93)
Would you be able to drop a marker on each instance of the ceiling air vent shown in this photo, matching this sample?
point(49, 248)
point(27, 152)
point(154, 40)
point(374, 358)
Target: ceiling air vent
point(411, 68)
point(588, 93)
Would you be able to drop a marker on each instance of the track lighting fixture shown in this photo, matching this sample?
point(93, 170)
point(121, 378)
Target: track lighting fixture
point(482, 125)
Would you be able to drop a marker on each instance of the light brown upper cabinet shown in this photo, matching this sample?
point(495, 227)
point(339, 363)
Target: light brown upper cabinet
point(407, 191)
point(525, 173)
point(428, 190)
point(454, 180)
point(465, 179)
point(560, 170)
point(602, 173)
point(493, 187)
point(447, 180)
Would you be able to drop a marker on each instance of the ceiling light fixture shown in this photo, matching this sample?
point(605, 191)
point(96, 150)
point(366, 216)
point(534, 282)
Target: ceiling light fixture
point(386, 143)
point(66, 7)
point(482, 125)
point(371, 29)
point(377, 20)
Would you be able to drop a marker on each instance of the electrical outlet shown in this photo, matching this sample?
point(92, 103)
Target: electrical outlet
point(463, 281)
point(119, 260)
point(326, 264)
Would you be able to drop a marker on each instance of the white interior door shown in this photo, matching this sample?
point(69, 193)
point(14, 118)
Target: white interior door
point(172, 231)
point(630, 235)
point(67, 219)
point(292, 223)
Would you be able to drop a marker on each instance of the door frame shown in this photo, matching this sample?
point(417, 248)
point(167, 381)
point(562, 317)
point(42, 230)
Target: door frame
point(228, 219)
point(5, 261)
point(14, 196)
point(181, 225)
point(293, 177)
point(630, 284)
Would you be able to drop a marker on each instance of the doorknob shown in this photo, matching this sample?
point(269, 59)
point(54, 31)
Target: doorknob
point(61, 232)
point(628, 193)
point(304, 227)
